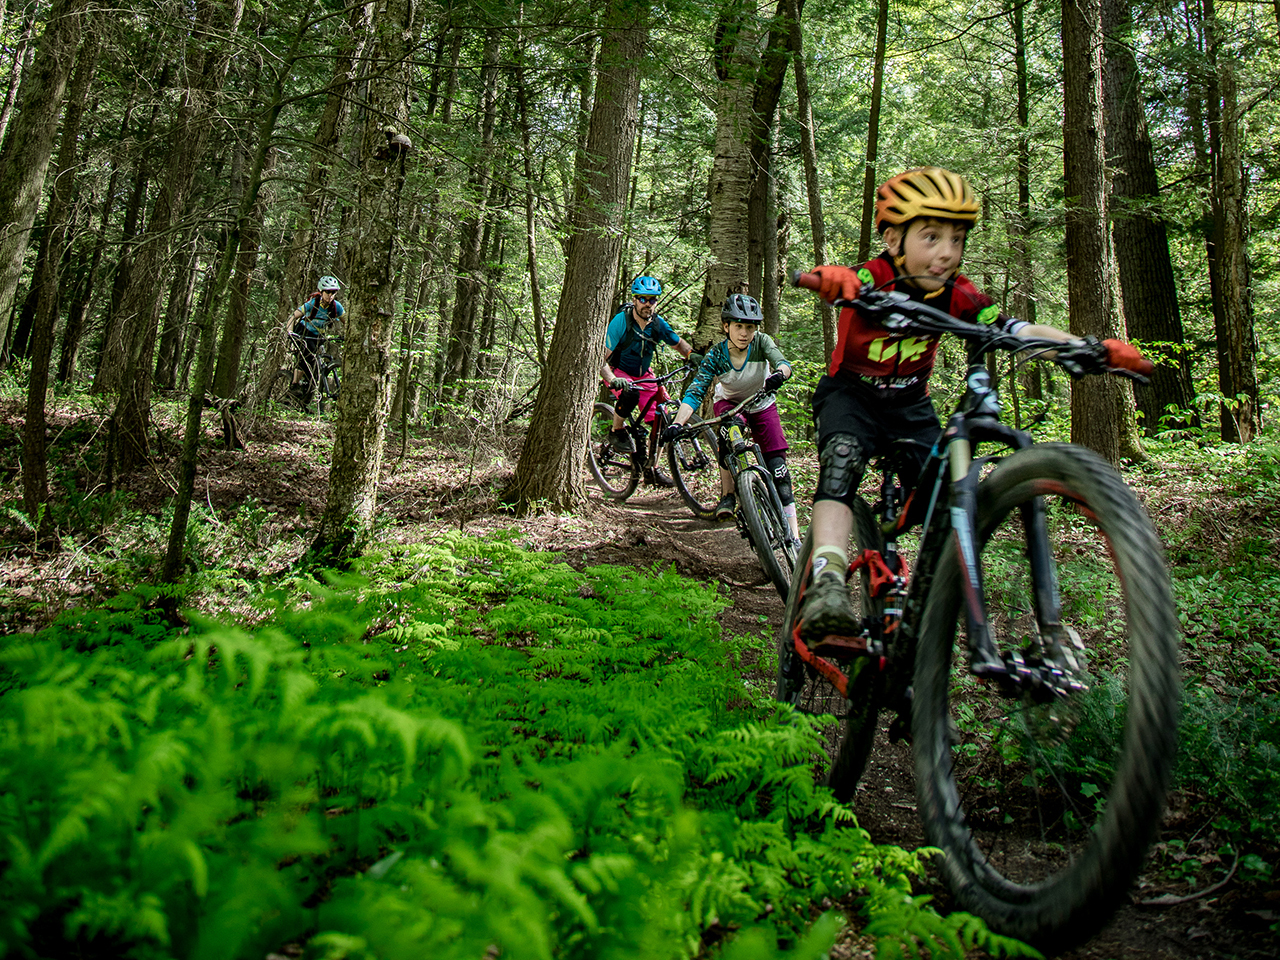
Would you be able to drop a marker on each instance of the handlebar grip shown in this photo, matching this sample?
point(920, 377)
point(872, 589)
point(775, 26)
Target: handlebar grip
point(809, 281)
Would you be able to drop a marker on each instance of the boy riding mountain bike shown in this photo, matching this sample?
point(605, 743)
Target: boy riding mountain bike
point(745, 362)
point(631, 339)
point(876, 389)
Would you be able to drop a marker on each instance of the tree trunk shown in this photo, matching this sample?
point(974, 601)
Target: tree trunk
point(1022, 297)
point(550, 470)
point(23, 53)
point(1229, 268)
point(471, 234)
point(35, 468)
point(226, 377)
point(531, 225)
point(869, 179)
point(736, 52)
point(1102, 411)
point(809, 152)
point(29, 145)
point(1142, 246)
point(373, 267)
point(211, 47)
point(764, 110)
point(178, 305)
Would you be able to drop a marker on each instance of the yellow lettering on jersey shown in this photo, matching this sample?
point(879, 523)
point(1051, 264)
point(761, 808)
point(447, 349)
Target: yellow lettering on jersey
point(886, 349)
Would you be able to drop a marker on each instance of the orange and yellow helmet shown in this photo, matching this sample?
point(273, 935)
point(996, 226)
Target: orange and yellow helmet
point(925, 192)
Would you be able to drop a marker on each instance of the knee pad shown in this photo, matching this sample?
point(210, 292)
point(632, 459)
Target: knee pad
point(840, 466)
point(627, 401)
point(781, 479)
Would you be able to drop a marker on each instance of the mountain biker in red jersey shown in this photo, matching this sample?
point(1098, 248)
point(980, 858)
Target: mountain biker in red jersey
point(876, 389)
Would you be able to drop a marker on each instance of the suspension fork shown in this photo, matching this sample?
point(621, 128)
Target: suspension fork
point(984, 659)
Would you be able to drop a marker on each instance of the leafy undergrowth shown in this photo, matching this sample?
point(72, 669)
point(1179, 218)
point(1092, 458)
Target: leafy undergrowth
point(471, 750)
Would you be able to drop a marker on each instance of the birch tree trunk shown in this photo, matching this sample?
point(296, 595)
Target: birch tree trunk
point(550, 470)
point(373, 258)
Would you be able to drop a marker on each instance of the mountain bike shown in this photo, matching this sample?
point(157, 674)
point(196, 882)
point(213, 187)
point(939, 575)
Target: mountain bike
point(691, 458)
point(1044, 745)
point(759, 513)
point(320, 373)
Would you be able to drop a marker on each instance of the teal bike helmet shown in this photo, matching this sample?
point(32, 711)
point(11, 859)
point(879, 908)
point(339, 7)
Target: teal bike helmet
point(646, 287)
point(329, 283)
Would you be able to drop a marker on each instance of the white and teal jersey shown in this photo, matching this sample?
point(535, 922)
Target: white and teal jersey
point(736, 383)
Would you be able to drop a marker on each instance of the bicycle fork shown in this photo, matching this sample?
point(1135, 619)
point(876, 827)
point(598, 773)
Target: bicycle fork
point(1049, 667)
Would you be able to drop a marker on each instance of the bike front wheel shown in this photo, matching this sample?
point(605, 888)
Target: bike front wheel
point(696, 469)
point(1043, 806)
point(769, 530)
point(617, 473)
point(847, 743)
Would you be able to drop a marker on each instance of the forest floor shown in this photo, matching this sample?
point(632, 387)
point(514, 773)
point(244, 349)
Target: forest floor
point(452, 480)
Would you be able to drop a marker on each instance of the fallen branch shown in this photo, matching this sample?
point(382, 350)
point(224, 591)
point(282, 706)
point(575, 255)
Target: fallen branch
point(1169, 900)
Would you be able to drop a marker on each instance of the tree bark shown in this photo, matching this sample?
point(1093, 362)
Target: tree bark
point(764, 109)
point(1022, 296)
point(373, 267)
point(35, 468)
point(550, 469)
point(1102, 411)
point(737, 54)
point(28, 146)
point(1150, 293)
point(809, 153)
point(210, 47)
point(1229, 267)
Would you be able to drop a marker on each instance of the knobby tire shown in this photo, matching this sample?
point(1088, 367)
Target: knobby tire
point(695, 468)
point(768, 529)
point(617, 473)
point(1014, 792)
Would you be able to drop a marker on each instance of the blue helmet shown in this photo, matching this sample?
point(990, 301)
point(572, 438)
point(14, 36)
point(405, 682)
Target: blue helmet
point(646, 287)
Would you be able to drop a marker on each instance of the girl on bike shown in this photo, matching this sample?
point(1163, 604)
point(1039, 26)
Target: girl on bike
point(876, 390)
point(745, 361)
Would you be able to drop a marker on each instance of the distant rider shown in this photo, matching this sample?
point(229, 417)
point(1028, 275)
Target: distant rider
point(307, 324)
point(630, 341)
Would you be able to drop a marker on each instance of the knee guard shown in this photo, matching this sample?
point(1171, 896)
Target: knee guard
point(781, 479)
point(840, 466)
point(627, 401)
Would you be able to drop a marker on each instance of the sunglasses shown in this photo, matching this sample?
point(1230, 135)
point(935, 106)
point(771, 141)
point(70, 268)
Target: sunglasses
point(647, 299)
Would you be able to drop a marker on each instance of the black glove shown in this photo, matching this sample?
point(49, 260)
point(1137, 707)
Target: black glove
point(774, 381)
point(693, 359)
point(621, 383)
point(673, 432)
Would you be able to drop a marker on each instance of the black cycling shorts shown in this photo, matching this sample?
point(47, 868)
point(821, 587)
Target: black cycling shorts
point(877, 420)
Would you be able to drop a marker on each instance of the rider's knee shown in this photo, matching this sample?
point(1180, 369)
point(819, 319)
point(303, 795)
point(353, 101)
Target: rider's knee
point(840, 465)
point(777, 465)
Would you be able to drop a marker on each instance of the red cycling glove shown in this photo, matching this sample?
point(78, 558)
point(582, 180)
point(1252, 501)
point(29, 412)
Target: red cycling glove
point(1126, 357)
point(838, 283)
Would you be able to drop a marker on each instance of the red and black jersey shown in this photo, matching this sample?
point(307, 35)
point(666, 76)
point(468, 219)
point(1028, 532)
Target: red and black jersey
point(866, 351)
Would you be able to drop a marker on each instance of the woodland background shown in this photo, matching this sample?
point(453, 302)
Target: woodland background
point(485, 179)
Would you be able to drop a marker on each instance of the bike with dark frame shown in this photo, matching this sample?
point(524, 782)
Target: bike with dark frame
point(320, 373)
point(1044, 742)
point(691, 459)
point(758, 512)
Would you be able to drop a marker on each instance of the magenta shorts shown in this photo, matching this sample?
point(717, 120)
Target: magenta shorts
point(647, 390)
point(766, 426)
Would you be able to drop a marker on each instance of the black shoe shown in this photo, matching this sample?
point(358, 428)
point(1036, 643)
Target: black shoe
point(724, 509)
point(827, 621)
point(656, 478)
point(621, 441)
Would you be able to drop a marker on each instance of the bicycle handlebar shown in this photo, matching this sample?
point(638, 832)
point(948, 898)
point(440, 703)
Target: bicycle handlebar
point(670, 375)
point(897, 312)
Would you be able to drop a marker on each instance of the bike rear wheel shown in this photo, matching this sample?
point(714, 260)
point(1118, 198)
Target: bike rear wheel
point(696, 469)
point(1044, 811)
point(847, 743)
point(769, 530)
point(616, 472)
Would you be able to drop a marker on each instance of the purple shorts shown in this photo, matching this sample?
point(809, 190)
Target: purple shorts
point(766, 427)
